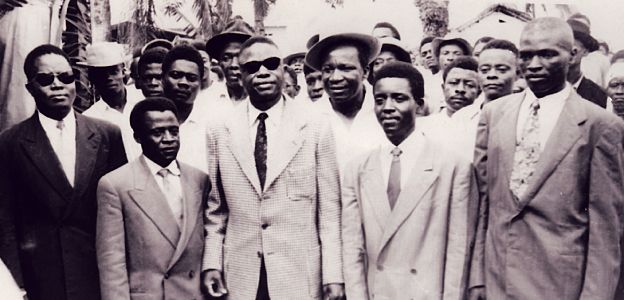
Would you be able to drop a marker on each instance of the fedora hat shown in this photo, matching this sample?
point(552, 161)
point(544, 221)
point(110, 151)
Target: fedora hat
point(290, 57)
point(235, 31)
point(440, 42)
point(157, 43)
point(105, 54)
point(393, 45)
point(582, 33)
point(366, 43)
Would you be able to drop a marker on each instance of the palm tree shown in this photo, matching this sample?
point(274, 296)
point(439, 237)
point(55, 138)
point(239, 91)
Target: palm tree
point(434, 16)
point(76, 37)
point(261, 10)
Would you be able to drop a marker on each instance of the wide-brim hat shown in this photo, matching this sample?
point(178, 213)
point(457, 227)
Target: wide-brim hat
point(290, 57)
point(366, 43)
point(157, 43)
point(105, 54)
point(582, 33)
point(235, 31)
point(439, 43)
point(393, 45)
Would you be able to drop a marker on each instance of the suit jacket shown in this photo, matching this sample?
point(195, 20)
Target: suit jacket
point(419, 249)
point(142, 252)
point(47, 227)
point(592, 92)
point(560, 240)
point(294, 223)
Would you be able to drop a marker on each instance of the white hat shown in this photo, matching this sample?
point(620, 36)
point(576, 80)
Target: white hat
point(105, 54)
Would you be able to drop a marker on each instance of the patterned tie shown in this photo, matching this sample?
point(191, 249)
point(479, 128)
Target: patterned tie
point(527, 153)
point(394, 179)
point(173, 199)
point(260, 152)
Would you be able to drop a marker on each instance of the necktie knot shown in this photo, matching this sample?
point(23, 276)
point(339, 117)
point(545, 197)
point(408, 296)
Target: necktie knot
point(535, 106)
point(60, 125)
point(163, 172)
point(263, 116)
point(396, 152)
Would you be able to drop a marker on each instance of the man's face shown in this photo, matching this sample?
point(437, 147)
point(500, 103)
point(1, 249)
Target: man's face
point(343, 74)
point(395, 108)
point(497, 72)
point(297, 64)
point(108, 80)
point(263, 73)
point(54, 98)
point(448, 53)
point(230, 65)
point(615, 90)
point(381, 60)
point(314, 83)
point(290, 87)
point(544, 61)
point(151, 80)
point(159, 139)
point(427, 57)
point(461, 88)
point(182, 81)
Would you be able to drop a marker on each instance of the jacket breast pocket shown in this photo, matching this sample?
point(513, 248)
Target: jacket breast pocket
point(301, 183)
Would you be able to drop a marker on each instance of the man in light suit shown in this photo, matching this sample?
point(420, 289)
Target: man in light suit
point(150, 233)
point(405, 204)
point(51, 164)
point(273, 228)
point(550, 171)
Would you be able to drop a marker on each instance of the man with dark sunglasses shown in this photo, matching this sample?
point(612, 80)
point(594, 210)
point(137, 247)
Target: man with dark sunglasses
point(273, 228)
point(51, 164)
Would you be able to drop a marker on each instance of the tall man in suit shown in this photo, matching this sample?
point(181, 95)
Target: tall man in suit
point(273, 228)
point(405, 204)
point(550, 171)
point(150, 226)
point(51, 164)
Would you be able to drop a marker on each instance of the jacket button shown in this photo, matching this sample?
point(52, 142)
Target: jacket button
point(413, 271)
point(264, 226)
point(166, 275)
point(191, 274)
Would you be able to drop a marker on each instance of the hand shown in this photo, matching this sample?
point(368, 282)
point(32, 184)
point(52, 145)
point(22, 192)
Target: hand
point(333, 291)
point(476, 293)
point(11, 4)
point(212, 283)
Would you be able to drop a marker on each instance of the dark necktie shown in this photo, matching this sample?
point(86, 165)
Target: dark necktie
point(394, 179)
point(260, 152)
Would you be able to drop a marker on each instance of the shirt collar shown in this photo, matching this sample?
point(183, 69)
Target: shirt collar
point(578, 82)
point(274, 113)
point(411, 144)
point(154, 167)
point(48, 123)
point(558, 96)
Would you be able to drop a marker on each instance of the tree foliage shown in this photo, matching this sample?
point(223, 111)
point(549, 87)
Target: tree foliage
point(434, 16)
point(76, 37)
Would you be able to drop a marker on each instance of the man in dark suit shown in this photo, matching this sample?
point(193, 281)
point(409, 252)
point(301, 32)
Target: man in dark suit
point(550, 175)
point(51, 164)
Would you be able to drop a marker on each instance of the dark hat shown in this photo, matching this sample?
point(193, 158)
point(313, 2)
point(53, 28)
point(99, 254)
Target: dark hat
point(235, 31)
point(393, 45)
point(290, 57)
point(368, 44)
point(582, 33)
point(312, 40)
point(157, 43)
point(439, 43)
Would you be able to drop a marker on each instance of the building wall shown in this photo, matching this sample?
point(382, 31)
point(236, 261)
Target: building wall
point(497, 25)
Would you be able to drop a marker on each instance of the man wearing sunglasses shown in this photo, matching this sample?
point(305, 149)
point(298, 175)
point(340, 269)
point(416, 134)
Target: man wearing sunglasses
point(273, 229)
point(51, 164)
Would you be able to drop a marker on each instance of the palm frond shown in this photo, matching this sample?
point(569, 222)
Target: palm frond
point(76, 37)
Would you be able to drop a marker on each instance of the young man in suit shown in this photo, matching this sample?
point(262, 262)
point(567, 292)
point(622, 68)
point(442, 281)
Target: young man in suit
point(405, 204)
point(51, 164)
point(273, 228)
point(550, 172)
point(150, 227)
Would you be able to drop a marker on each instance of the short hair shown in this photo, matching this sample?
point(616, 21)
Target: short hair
point(426, 40)
point(183, 52)
point(137, 116)
point(550, 25)
point(358, 45)
point(502, 45)
point(617, 55)
point(484, 40)
point(462, 62)
point(395, 32)
point(200, 45)
point(39, 51)
point(291, 72)
point(258, 39)
point(151, 56)
point(399, 69)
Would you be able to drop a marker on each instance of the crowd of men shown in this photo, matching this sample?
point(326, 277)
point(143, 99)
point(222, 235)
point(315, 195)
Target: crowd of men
point(346, 171)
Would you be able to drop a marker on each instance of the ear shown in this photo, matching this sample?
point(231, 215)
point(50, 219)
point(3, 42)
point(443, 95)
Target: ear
point(137, 138)
point(29, 88)
point(297, 87)
point(366, 70)
point(573, 54)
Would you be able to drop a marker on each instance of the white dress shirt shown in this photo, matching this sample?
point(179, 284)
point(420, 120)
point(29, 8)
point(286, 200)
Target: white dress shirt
point(63, 141)
point(412, 148)
point(434, 94)
point(466, 121)
point(548, 113)
point(193, 138)
point(174, 202)
point(272, 123)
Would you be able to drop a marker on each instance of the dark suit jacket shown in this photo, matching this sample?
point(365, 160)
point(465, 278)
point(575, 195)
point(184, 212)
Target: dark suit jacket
point(560, 240)
point(47, 227)
point(592, 92)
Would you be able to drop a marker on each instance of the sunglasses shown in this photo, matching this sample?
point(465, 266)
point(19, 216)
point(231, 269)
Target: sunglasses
point(45, 79)
point(271, 63)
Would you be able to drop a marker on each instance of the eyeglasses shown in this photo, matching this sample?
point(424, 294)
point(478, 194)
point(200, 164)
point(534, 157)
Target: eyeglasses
point(271, 63)
point(178, 75)
point(45, 79)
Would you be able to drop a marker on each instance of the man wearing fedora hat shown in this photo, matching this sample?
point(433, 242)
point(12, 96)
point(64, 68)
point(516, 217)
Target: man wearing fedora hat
point(105, 62)
point(584, 43)
point(391, 50)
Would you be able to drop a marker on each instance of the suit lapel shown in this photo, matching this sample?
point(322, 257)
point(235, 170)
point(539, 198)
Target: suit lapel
point(147, 195)
point(506, 130)
point(240, 145)
point(374, 189)
point(565, 134)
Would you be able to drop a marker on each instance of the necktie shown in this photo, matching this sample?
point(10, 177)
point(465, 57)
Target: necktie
point(394, 179)
point(260, 152)
point(62, 156)
point(173, 198)
point(527, 153)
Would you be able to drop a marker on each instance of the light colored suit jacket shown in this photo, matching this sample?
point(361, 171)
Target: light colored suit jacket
point(294, 223)
point(419, 249)
point(142, 252)
point(561, 239)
